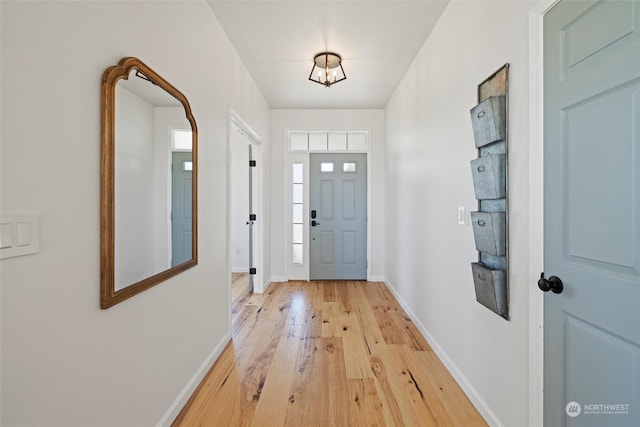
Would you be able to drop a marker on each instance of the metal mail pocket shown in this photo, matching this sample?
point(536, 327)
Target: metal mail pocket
point(488, 120)
point(489, 232)
point(489, 178)
point(491, 287)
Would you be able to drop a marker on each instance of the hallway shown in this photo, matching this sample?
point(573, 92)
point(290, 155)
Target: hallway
point(326, 354)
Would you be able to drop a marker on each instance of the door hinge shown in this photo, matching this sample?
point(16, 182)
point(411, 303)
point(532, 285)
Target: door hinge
point(253, 270)
point(253, 217)
point(252, 163)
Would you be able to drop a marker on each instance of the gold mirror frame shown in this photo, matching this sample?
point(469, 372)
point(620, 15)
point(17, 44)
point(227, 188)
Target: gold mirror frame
point(109, 296)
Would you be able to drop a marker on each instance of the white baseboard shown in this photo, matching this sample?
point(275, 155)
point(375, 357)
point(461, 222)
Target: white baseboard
point(376, 279)
point(266, 285)
point(239, 269)
point(193, 383)
point(468, 389)
point(278, 279)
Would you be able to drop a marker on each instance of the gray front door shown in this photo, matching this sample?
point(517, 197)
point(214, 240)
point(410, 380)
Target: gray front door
point(181, 216)
point(592, 213)
point(338, 217)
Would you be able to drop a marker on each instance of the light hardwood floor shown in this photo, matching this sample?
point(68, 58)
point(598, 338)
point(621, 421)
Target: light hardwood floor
point(326, 354)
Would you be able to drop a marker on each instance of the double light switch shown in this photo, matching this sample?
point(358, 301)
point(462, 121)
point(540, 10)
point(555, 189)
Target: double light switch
point(18, 234)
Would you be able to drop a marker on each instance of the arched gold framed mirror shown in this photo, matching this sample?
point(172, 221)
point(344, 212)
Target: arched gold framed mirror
point(148, 191)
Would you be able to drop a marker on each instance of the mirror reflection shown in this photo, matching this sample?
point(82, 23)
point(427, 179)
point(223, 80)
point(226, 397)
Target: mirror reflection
point(153, 177)
point(148, 181)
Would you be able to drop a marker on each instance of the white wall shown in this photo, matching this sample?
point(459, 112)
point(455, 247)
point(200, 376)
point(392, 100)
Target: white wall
point(134, 203)
point(283, 120)
point(65, 361)
point(429, 144)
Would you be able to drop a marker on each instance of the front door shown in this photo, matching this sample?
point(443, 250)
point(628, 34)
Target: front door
point(592, 213)
point(181, 216)
point(338, 217)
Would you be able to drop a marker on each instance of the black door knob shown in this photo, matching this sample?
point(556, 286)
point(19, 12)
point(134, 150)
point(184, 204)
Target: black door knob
point(553, 284)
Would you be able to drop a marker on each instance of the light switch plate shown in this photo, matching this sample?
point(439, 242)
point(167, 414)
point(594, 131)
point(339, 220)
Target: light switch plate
point(19, 234)
point(6, 235)
point(463, 215)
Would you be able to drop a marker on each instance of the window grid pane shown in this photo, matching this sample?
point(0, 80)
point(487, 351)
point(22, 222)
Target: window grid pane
point(297, 233)
point(357, 141)
point(298, 195)
point(338, 141)
point(182, 140)
point(349, 167)
point(296, 254)
point(297, 213)
point(326, 167)
point(298, 141)
point(297, 173)
point(318, 141)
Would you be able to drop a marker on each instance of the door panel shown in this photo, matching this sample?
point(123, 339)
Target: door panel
point(585, 35)
point(327, 243)
point(592, 213)
point(327, 200)
point(600, 176)
point(349, 246)
point(349, 199)
point(338, 246)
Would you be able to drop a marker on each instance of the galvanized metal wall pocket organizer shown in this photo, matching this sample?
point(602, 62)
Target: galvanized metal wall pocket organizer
point(490, 171)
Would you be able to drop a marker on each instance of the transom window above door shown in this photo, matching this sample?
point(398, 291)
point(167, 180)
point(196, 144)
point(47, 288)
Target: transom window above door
point(352, 141)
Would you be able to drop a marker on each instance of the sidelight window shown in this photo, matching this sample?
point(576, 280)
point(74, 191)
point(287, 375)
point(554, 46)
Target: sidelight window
point(297, 205)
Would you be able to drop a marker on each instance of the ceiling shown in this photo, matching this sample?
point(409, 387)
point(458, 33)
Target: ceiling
point(377, 40)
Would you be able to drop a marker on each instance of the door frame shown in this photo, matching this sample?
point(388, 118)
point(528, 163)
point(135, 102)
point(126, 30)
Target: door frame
point(234, 120)
point(304, 156)
point(536, 209)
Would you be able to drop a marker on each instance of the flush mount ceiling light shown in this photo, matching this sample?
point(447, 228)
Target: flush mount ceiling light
point(327, 69)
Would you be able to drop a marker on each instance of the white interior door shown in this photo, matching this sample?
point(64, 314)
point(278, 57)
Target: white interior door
point(245, 203)
point(592, 213)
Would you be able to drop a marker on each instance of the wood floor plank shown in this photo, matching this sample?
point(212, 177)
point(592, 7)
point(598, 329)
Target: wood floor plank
point(390, 401)
point(420, 392)
point(325, 354)
point(356, 353)
point(304, 397)
point(454, 400)
point(372, 336)
point(365, 408)
point(271, 409)
point(213, 394)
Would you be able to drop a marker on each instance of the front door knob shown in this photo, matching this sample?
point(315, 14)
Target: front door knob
point(553, 284)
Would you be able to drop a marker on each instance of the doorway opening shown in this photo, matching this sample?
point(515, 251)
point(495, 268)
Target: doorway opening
point(244, 208)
